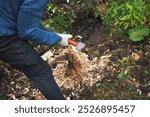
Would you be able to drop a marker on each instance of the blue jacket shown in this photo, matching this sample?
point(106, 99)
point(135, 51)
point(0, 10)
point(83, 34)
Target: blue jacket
point(22, 18)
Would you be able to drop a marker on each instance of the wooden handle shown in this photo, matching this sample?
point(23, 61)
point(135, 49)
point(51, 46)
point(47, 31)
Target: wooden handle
point(72, 42)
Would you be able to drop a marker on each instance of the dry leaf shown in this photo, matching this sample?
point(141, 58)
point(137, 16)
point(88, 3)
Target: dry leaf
point(136, 56)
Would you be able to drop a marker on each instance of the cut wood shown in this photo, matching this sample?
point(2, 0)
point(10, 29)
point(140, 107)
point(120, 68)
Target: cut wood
point(71, 65)
point(79, 61)
point(48, 56)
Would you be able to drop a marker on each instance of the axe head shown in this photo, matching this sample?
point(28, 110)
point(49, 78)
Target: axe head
point(80, 46)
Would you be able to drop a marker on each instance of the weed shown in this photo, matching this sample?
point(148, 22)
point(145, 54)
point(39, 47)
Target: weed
point(125, 74)
point(125, 69)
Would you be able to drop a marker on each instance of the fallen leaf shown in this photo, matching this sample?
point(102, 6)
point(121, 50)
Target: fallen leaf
point(136, 56)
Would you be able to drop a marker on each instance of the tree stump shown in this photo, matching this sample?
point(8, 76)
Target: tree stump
point(71, 66)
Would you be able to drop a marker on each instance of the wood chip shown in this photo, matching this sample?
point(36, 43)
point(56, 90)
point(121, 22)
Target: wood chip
point(39, 96)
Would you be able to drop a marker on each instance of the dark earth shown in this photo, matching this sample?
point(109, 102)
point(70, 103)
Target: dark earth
point(127, 77)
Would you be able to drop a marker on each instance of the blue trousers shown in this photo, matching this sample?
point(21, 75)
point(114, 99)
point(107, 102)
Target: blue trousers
point(20, 54)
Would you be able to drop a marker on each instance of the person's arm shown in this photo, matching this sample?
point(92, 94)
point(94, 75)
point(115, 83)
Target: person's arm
point(28, 20)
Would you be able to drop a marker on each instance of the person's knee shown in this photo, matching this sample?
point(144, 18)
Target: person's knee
point(37, 68)
point(33, 64)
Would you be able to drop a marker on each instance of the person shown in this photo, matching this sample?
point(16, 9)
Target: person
point(20, 23)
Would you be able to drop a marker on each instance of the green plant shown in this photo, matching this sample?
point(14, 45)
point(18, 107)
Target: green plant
point(123, 15)
point(58, 19)
point(125, 67)
point(125, 74)
point(138, 34)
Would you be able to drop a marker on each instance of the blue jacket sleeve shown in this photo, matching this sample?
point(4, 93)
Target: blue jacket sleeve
point(28, 20)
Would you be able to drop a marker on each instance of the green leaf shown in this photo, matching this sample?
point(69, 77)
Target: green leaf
point(125, 17)
point(130, 7)
point(138, 34)
point(121, 76)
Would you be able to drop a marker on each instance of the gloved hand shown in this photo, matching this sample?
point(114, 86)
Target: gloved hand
point(65, 37)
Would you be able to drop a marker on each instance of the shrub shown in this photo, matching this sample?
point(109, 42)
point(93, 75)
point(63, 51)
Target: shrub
point(57, 18)
point(60, 17)
point(122, 15)
point(82, 8)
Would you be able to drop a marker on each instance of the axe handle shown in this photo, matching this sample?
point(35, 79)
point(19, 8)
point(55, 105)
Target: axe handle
point(72, 42)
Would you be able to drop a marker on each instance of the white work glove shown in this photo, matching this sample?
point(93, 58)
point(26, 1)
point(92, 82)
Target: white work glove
point(65, 37)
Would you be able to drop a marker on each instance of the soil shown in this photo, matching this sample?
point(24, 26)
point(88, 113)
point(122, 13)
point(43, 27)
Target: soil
point(136, 84)
point(126, 76)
